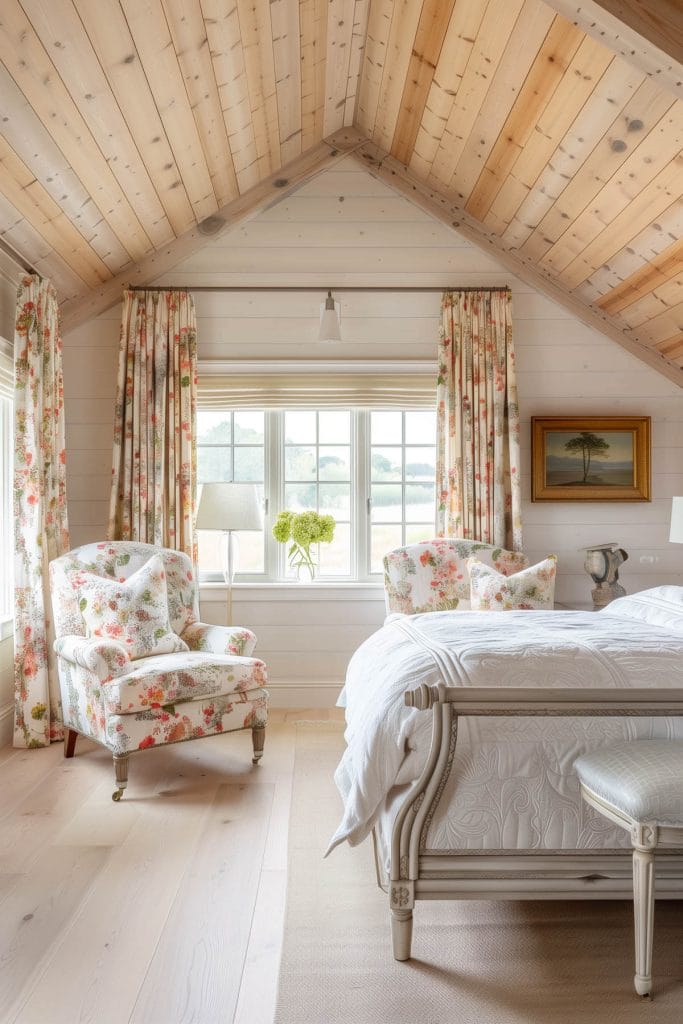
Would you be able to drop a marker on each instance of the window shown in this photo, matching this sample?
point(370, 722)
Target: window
point(373, 470)
point(6, 513)
point(231, 449)
point(402, 474)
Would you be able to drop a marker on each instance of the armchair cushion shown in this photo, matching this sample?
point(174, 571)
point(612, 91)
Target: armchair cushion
point(169, 679)
point(106, 658)
point(433, 576)
point(133, 611)
point(200, 636)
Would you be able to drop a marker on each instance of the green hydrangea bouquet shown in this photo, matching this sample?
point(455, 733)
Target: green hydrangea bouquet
point(303, 529)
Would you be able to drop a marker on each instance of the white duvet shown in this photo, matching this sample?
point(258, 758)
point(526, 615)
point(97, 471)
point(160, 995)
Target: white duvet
point(512, 786)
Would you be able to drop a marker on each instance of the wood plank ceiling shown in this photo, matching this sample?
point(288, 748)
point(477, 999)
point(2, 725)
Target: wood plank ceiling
point(128, 123)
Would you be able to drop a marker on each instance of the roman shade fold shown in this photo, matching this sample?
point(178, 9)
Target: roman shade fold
point(316, 390)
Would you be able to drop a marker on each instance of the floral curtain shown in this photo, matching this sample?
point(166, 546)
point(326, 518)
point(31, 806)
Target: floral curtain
point(41, 529)
point(478, 461)
point(154, 476)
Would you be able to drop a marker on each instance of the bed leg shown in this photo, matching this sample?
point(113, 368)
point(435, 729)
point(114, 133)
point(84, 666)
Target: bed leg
point(401, 902)
point(401, 933)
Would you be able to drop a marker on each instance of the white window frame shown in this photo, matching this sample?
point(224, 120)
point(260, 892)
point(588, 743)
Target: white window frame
point(274, 486)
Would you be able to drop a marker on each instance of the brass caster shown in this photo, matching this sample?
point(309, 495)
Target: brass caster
point(117, 794)
point(255, 760)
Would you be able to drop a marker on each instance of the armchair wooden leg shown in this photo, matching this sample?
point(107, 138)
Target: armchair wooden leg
point(121, 770)
point(258, 737)
point(70, 737)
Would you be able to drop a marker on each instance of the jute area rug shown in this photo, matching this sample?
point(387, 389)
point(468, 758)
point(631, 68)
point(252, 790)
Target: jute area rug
point(473, 962)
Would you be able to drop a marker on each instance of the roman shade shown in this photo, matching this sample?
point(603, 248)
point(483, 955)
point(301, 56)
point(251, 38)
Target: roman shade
point(316, 390)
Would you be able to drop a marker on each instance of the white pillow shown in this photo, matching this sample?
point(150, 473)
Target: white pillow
point(532, 588)
point(659, 606)
point(132, 611)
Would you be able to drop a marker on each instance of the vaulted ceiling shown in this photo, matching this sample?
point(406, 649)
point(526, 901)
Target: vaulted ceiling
point(550, 132)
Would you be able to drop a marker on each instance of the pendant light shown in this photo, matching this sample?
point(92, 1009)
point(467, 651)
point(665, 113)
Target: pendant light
point(329, 321)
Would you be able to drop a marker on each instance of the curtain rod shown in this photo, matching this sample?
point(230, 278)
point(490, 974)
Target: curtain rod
point(306, 288)
point(16, 258)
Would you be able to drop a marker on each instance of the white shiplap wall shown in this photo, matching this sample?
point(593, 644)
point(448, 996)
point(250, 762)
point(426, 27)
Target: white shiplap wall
point(9, 279)
point(347, 228)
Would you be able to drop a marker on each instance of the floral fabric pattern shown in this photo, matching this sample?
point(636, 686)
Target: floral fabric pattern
point(154, 475)
point(433, 576)
point(132, 611)
point(478, 455)
point(130, 704)
point(190, 721)
point(219, 639)
point(41, 530)
point(173, 679)
point(119, 560)
point(532, 588)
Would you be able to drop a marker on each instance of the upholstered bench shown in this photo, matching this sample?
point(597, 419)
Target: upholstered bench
point(639, 786)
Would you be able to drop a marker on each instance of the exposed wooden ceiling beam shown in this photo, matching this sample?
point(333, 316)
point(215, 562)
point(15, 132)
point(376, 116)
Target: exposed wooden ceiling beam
point(319, 157)
point(647, 33)
point(395, 174)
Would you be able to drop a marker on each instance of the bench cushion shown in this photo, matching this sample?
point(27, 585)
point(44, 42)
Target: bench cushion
point(643, 779)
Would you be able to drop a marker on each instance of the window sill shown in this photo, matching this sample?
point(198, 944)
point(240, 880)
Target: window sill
point(282, 591)
point(291, 585)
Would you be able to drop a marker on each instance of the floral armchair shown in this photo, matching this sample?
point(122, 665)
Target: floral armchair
point(141, 673)
point(432, 576)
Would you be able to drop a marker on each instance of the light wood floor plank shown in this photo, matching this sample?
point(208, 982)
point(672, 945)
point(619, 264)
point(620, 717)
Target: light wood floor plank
point(34, 915)
point(258, 991)
point(38, 818)
point(153, 910)
point(194, 977)
point(96, 971)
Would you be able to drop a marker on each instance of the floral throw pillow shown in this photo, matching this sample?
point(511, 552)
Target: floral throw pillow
point(532, 588)
point(132, 611)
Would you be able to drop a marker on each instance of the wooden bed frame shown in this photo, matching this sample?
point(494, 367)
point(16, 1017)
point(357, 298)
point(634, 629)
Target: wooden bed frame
point(417, 872)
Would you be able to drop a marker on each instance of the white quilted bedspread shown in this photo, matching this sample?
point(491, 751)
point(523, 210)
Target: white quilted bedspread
point(512, 786)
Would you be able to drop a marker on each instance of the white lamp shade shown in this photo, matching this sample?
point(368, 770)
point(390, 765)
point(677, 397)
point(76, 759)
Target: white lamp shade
point(229, 507)
point(329, 321)
point(676, 533)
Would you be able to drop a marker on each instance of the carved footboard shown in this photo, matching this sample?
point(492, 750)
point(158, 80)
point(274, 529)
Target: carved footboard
point(420, 873)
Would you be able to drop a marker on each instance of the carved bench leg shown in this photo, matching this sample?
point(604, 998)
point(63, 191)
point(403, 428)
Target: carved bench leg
point(643, 912)
point(401, 902)
point(258, 737)
point(121, 770)
point(70, 737)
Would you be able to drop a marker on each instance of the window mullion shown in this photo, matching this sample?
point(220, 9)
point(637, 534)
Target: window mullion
point(361, 495)
point(273, 490)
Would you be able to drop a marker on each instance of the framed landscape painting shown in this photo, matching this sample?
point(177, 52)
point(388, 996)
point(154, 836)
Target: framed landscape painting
point(597, 458)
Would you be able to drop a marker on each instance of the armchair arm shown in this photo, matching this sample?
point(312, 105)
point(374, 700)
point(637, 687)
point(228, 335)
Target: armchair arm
point(106, 658)
point(200, 636)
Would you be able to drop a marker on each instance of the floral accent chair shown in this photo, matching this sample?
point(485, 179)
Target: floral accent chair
point(136, 667)
point(432, 576)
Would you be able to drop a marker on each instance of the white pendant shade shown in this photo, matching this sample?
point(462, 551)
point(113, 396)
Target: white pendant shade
point(225, 506)
point(676, 534)
point(329, 321)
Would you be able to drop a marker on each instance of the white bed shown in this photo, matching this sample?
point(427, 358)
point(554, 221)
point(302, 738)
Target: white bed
point(499, 808)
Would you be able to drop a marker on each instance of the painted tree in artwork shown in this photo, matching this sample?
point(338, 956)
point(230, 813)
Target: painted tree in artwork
point(589, 445)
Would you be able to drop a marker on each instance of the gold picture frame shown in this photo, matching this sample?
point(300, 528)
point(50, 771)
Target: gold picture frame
point(590, 458)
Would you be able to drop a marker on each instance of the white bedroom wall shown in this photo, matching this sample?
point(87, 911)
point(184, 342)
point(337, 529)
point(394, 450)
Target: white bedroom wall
point(9, 278)
point(346, 228)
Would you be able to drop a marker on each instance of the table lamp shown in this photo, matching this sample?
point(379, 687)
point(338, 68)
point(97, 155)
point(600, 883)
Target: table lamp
point(228, 508)
point(676, 530)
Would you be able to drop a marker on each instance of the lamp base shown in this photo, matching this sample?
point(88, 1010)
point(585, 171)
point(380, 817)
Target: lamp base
point(230, 548)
